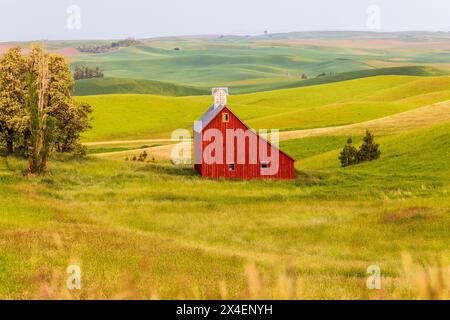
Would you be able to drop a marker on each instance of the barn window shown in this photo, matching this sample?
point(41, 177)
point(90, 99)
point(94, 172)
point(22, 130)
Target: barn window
point(225, 117)
point(231, 167)
point(264, 164)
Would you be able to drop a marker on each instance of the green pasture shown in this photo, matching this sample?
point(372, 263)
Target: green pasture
point(143, 230)
point(119, 117)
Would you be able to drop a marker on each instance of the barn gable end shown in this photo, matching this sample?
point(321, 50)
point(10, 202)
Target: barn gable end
point(222, 119)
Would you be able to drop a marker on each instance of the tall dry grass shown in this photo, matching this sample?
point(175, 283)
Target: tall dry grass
point(424, 282)
point(429, 282)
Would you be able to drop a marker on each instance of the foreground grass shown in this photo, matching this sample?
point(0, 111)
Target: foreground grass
point(164, 232)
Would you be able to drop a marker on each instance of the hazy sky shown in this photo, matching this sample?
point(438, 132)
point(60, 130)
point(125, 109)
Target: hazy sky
point(48, 19)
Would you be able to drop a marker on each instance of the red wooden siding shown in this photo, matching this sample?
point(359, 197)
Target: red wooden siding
point(241, 171)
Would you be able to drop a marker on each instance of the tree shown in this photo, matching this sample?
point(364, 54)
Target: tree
point(41, 125)
point(36, 105)
point(143, 156)
point(77, 73)
point(13, 119)
point(83, 72)
point(71, 117)
point(349, 154)
point(368, 151)
point(74, 121)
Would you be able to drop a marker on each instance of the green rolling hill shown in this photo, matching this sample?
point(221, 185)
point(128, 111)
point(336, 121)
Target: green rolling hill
point(344, 76)
point(133, 218)
point(120, 85)
point(125, 222)
point(257, 63)
point(252, 64)
point(131, 116)
point(101, 86)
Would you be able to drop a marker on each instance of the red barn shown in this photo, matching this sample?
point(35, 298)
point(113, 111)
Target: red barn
point(225, 147)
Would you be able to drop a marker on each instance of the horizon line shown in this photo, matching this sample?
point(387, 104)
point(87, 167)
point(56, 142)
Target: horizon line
point(227, 35)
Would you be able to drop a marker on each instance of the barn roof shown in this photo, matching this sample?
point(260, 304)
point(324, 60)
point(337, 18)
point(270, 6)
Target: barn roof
point(209, 115)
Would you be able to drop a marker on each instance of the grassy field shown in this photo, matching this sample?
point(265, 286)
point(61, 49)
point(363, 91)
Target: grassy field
point(102, 86)
point(203, 63)
point(155, 230)
point(119, 117)
point(119, 85)
point(245, 87)
point(209, 61)
point(256, 63)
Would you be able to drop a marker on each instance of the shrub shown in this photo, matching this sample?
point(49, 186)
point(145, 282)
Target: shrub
point(143, 156)
point(349, 154)
point(368, 151)
point(79, 151)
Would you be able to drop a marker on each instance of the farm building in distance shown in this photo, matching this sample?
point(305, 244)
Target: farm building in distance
point(225, 147)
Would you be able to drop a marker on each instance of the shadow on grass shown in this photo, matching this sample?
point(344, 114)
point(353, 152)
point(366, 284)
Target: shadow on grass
point(302, 178)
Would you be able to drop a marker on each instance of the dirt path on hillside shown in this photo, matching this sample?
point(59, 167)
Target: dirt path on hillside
point(404, 121)
point(117, 142)
point(159, 153)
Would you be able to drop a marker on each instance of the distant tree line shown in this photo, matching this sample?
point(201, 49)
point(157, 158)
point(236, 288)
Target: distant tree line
point(304, 76)
point(84, 72)
point(125, 43)
point(37, 113)
point(94, 48)
point(368, 151)
point(323, 74)
point(101, 48)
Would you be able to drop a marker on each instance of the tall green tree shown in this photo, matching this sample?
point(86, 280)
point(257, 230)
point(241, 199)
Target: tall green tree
point(36, 107)
point(70, 125)
point(71, 117)
point(369, 150)
point(13, 117)
point(349, 155)
point(41, 124)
